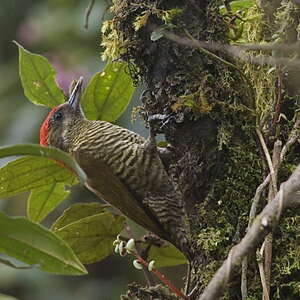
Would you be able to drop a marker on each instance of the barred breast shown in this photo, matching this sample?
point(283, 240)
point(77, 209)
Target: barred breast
point(139, 169)
point(124, 152)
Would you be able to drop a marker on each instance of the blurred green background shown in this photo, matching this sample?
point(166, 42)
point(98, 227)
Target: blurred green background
point(55, 29)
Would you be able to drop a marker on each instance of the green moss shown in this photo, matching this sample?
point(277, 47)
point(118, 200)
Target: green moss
point(286, 263)
point(225, 163)
point(210, 239)
point(225, 211)
point(117, 42)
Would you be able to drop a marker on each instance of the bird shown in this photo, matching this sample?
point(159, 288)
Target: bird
point(122, 167)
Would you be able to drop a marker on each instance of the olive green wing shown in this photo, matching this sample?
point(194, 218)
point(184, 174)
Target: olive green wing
point(109, 188)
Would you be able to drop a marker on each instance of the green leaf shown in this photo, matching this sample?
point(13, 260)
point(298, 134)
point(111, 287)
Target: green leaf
point(241, 5)
point(38, 79)
point(28, 173)
point(44, 199)
point(90, 237)
point(35, 245)
point(10, 264)
point(76, 212)
point(7, 297)
point(108, 93)
point(166, 256)
point(36, 150)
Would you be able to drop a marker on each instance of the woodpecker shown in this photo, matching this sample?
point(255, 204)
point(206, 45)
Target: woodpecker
point(122, 168)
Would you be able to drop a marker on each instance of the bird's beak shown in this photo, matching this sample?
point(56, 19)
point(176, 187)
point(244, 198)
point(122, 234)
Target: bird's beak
point(74, 99)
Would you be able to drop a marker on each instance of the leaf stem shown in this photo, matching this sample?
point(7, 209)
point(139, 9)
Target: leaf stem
point(161, 277)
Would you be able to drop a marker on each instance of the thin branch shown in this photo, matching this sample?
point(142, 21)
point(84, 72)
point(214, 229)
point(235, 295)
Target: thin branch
point(256, 199)
point(239, 51)
point(161, 277)
point(293, 137)
point(278, 96)
point(145, 271)
point(244, 288)
point(87, 14)
point(268, 158)
point(259, 255)
point(252, 215)
point(222, 60)
point(266, 221)
point(269, 239)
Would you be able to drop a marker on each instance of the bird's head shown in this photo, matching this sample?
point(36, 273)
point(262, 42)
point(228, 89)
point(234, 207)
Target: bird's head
point(55, 130)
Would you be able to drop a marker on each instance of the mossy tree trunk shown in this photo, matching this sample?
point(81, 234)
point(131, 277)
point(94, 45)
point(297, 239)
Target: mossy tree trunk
point(213, 106)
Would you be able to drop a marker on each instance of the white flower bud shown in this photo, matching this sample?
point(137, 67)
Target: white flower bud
point(137, 264)
point(151, 265)
point(130, 246)
point(122, 250)
point(117, 249)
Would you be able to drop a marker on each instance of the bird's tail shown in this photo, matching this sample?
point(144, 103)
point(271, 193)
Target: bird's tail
point(171, 215)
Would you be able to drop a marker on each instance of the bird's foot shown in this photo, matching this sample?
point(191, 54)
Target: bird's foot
point(161, 119)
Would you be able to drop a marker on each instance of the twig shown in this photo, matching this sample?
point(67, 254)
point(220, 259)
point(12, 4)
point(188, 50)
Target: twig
point(244, 289)
point(266, 221)
point(220, 59)
point(256, 199)
point(239, 51)
point(161, 277)
point(269, 239)
point(268, 158)
point(252, 215)
point(279, 95)
point(145, 271)
point(259, 255)
point(87, 14)
point(293, 137)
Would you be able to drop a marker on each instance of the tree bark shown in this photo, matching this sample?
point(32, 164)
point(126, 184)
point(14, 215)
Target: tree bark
point(211, 106)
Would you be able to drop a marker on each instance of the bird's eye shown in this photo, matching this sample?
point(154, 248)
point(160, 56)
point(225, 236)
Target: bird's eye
point(57, 115)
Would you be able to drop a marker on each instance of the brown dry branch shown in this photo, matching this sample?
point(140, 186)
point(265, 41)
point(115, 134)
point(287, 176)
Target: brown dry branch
point(265, 270)
point(287, 197)
point(87, 14)
point(252, 215)
point(293, 137)
point(239, 51)
point(269, 239)
point(259, 255)
point(268, 159)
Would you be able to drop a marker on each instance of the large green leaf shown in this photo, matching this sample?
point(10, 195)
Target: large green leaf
point(47, 152)
point(38, 79)
point(76, 212)
point(108, 93)
point(35, 245)
point(7, 262)
point(44, 199)
point(166, 256)
point(28, 173)
point(7, 297)
point(91, 236)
